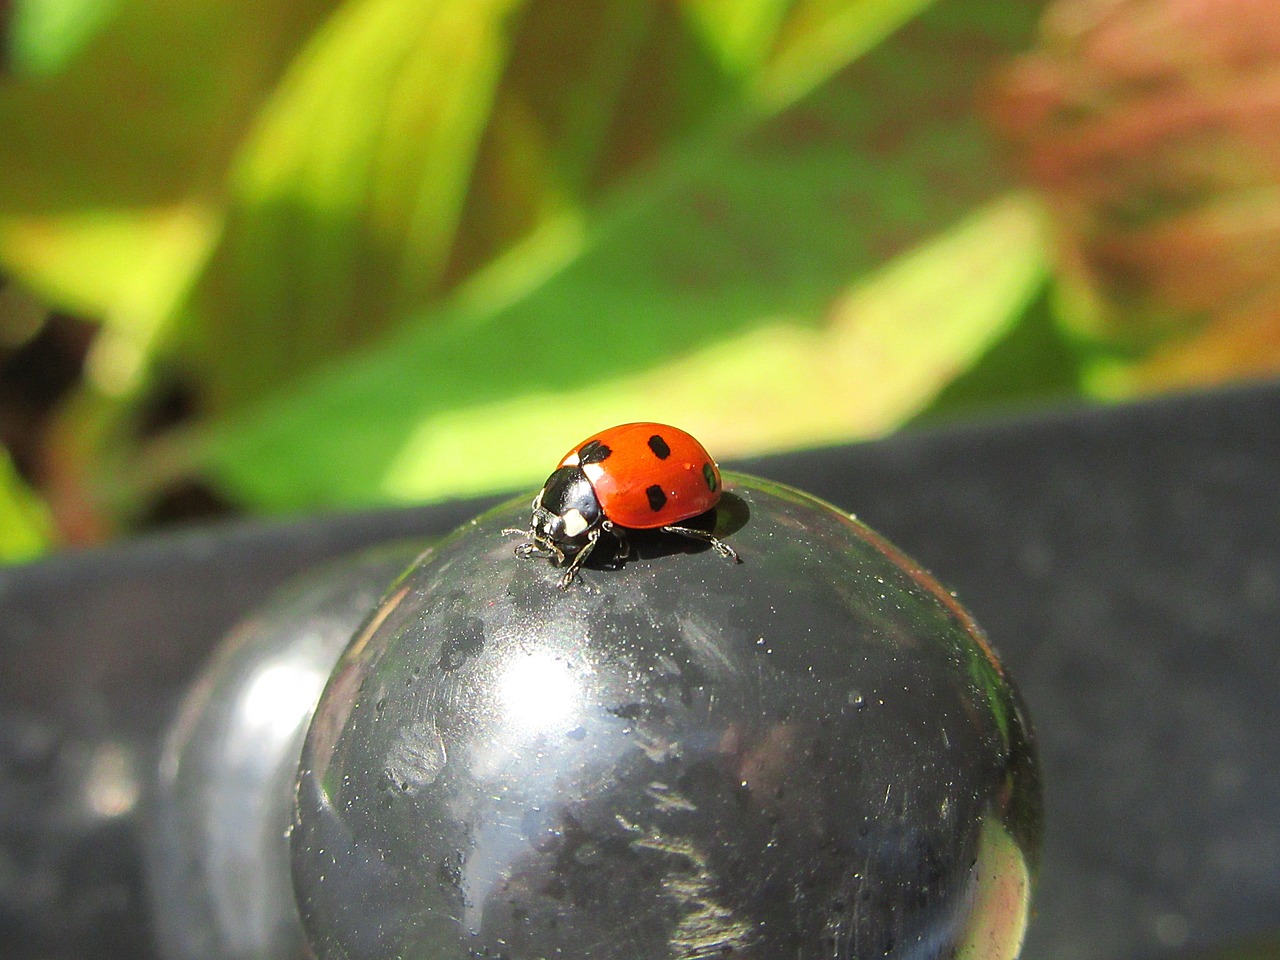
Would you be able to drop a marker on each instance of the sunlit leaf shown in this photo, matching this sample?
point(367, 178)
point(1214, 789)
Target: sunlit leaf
point(351, 207)
point(1034, 362)
point(879, 356)
point(45, 35)
point(741, 32)
point(606, 85)
point(126, 267)
point(115, 164)
point(25, 530)
point(346, 201)
point(819, 37)
point(757, 292)
point(557, 219)
point(730, 261)
point(153, 107)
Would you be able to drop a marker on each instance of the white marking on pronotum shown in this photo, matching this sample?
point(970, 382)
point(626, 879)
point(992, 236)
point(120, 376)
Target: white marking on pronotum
point(574, 523)
point(571, 460)
point(593, 471)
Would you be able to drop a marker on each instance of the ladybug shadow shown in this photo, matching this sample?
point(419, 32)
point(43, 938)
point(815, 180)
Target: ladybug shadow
point(722, 521)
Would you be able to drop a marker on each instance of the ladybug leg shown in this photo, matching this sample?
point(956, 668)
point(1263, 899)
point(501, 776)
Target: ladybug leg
point(552, 547)
point(523, 550)
point(624, 545)
point(717, 544)
point(533, 547)
point(592, 539)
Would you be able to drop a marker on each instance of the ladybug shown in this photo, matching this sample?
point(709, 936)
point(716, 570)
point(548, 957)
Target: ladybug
point(637, 476)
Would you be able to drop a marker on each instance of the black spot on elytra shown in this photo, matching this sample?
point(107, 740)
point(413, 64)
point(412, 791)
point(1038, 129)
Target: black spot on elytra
point(709, 475)
point(593, 452)
point(657, 499)
point(659, 447)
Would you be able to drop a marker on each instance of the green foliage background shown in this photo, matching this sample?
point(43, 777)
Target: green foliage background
point(411, 249)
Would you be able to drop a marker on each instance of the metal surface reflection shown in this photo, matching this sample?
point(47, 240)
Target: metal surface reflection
point(217, 853)
point(813, 754)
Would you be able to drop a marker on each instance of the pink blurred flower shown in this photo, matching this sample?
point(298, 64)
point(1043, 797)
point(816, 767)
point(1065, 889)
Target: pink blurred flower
point(1152, 130)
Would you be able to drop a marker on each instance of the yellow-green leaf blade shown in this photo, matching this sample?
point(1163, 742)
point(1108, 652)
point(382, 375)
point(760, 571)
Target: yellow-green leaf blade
point(882, 353)
point(346, 200)
point(117, 141)
point(25, 527)
point(742, 244)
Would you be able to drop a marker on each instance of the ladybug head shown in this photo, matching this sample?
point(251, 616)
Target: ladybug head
point(566, 511)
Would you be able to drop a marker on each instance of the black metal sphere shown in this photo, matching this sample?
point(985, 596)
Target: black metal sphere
point(813, 754)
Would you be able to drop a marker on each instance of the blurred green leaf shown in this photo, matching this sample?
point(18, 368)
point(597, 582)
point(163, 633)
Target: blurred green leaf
point(728, 263)
point(45, 35)
point(115, 163)
point(741, 33)
point(347, 198)
point(151, 111)
point(1032, 362)
point(350, 208)
point(879, 355)
point(529, 217)
point(25, 529)
point(125, 267)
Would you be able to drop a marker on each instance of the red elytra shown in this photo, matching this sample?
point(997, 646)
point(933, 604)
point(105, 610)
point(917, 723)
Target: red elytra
point(647, 475)
point(637, 476)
